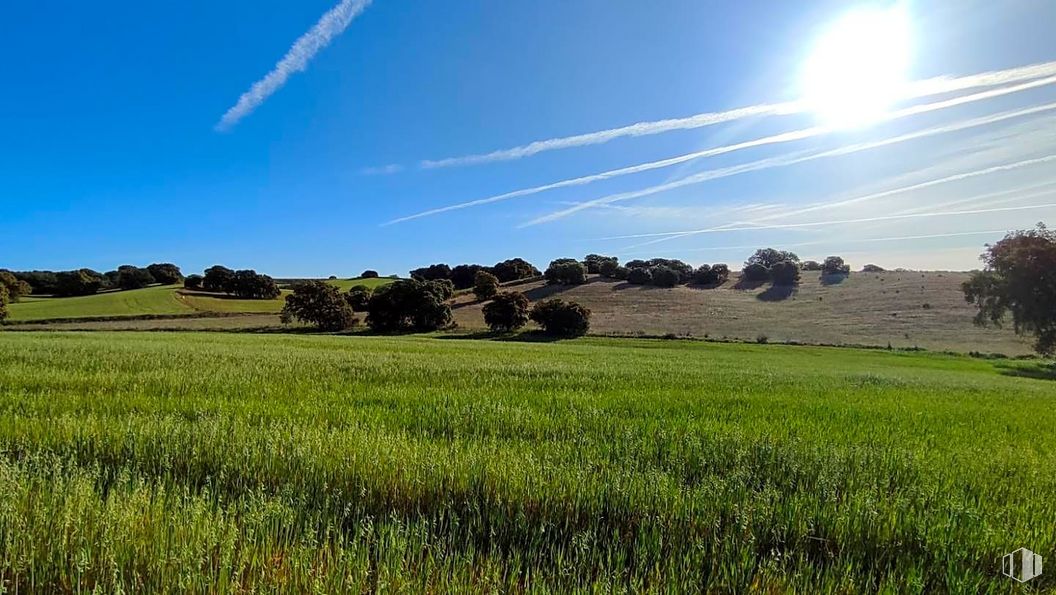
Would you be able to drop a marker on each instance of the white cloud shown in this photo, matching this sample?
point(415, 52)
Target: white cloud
point(296, 60)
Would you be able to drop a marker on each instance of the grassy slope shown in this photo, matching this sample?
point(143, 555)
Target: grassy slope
point(866, 309)
point(152, 300)
point(283, 462)
point(373, 283)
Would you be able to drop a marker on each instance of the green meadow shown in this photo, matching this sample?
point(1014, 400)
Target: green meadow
point(208, 462)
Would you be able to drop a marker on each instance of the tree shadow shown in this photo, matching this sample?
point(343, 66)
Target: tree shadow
point(703, 286)
point(777, 293)
point(546, 291)
point(834, 279)
point(1037, 371)
point(748, 285)
point(622, 285)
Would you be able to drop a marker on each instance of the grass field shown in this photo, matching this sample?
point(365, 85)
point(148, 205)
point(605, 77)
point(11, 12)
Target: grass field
point(221, 463)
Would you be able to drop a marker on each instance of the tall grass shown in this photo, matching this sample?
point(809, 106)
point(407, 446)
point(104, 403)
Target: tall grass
point(219, 463)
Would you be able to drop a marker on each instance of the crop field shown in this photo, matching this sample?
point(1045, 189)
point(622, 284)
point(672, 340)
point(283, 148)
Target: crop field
point(209, 462)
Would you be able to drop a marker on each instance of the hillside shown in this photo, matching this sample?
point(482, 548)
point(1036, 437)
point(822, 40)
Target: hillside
point(904, 309)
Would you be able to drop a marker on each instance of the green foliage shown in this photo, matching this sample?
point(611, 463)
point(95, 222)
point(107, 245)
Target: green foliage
point(639, 276)
point(193, 282)
point(834, 265)
point(4, 299)
point(507, 311)
point(219, 279)
point(1019, 280)
point(409, 305)
point(596, 262)
point(768, 257)
point(611, 269)
point(810, 266)
point(566, 271)
point(485, 286)
point(41, 282)
point(251, 285)
point(465, 275)
point(442, 288)
point(132, 277)
point(77, 283)
point(755, 272)
point(785, 273)
point(358, 298)
point(514, 269)
point(369, 274)
point(433, 272)
point(165, 273)
point(872, 268)
point(16, 288)
point(319, 304)
point(560, 318)
point(664, 276)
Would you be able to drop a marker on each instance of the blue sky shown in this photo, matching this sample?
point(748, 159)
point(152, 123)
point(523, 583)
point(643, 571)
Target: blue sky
point(110, 151)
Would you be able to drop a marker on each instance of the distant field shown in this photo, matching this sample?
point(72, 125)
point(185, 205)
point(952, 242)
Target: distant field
point(901, 309)
point(141, 462)
point(373, 283)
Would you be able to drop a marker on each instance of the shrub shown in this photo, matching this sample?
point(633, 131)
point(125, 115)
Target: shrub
point(165, 273)
point(465, 275)
point(514, 269)
point(507, 311)
point(834, 265)
point(131, 277)
point(664, 276)
point(684, 271)
point(755, 272)
point(768, 257)
point(872, 268)
point(561, 318)
point(319, 304)
point(408, 305)
point(79, 282)
point(639, 276)
point(193, 282)
point(433, 272)
point(358, 297)
point(218, 278)
point(566, 271)
point(810, 265)
point(485, 286)
point(369, 274)
point(785, 273)
point(595, 262)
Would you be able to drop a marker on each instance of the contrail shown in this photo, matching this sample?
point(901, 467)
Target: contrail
point(773, 162)
point(934, 86)
point(296, 60)
point(793, 159)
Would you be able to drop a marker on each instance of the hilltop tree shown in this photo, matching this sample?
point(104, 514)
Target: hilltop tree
point(683, 270)
point(711, 275)
point(664, 276)
point(768, 257)
point(319, 304)
point(485, 286)
point(1018, 280)
point(3, 301)
point(16, 288)
point(41, 282)
point(507, 311)
point(369, 274)
point(218, 278)
point(595, 262)
point(79, 282)
point(639, 276)
point(358, 297)
point(810, 265)
point(133, 277)
point(755, 272)
point(408, 305)
point(514, 269)
point(433, 272)
point(834, 265)
point(566, 271)
point(251, 285)
point(611, 269)
point(560, 318)
point(165, 273)
point(193, 282)
point(465, 275)
point(872, 268)
point(785, 273)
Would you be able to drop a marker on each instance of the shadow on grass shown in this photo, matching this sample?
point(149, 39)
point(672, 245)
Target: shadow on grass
point(833, 279)
point(777, 293)
point(747, 285)
point(1036, 371)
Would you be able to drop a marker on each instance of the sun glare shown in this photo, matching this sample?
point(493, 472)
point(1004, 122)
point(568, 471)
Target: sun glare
point(858, 68)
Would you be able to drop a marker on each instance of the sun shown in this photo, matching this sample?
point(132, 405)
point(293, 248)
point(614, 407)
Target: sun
point(858, 69)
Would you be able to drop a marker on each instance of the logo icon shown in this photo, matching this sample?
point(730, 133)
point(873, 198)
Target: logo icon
point(1021, 565)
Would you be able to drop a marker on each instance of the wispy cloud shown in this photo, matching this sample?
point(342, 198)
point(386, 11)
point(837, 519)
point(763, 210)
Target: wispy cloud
point(755, 166)
point(934, 86)
point(296, 60)
point(382, 170)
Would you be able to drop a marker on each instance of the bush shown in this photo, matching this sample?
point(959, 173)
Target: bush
point(684, 271)
point(319, 304)
point(561, 318)
point(872, 268)
point(810, 265)
point(639, 276)
point(664, 276)
point(755, 272)
point(785, 273)
point(369, 274)
point(408, 305)
point(834, 265)
point(79, 282)
point(433, 272)
point(485, 286)
point(358, 298)
point(768, 257)
point(595, 262)
point(513, 270)
point(465, 275)
point(193, 282)
point(165, 273)
point(566, 271)
point(507, 311)
point(219, 279)
point(131, 277)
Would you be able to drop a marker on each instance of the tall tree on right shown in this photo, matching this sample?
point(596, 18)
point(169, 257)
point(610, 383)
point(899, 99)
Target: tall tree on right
point(1019, 280)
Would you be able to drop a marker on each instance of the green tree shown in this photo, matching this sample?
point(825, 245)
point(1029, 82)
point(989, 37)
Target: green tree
point(408, 305)
point(785, 273)
point(358, 297)
point(566, 271)
point(319, 304)
point(514, 269)
point(507, 311)
point(485, 286)
point(834, 265)
point(219, 279)
point(3, 301)
point(768, 257)
point(560, 318)
point(165, 273)
point(132, 277)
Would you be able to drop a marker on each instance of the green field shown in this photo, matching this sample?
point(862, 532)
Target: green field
point(211, 462)
point(373, 282)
